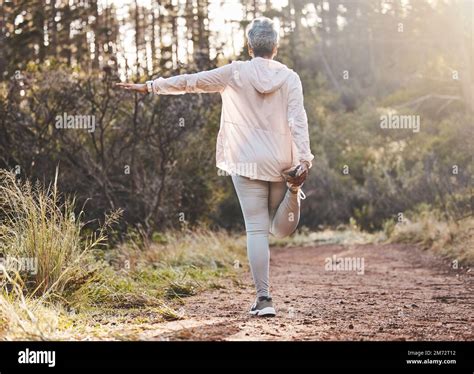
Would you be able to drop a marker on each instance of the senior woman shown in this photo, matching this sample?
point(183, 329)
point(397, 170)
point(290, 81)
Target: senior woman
point(262, 143)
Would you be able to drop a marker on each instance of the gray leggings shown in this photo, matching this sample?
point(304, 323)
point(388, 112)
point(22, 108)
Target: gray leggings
point(268, 207)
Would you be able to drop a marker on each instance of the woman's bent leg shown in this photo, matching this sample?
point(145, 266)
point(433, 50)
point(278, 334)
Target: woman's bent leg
point(284, 210)
point(253, 197)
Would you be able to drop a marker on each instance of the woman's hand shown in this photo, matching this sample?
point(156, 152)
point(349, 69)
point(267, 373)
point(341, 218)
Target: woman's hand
point(137, 87)
point(301, 173)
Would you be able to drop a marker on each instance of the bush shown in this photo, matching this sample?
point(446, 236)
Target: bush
point(450, 238)
point(40, 228)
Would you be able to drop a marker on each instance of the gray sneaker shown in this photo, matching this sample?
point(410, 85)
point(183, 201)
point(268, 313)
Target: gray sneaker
point(263, 307)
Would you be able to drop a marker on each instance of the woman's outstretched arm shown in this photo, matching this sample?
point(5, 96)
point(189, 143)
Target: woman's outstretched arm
point(214, 80)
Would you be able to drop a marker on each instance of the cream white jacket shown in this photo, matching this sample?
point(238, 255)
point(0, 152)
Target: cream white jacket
point(264, 127)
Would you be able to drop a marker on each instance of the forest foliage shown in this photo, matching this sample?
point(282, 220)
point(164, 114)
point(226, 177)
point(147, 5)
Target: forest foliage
point(361, 63)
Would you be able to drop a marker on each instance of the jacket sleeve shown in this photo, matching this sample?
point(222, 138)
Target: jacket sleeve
point(206, 81)
point(298, 121)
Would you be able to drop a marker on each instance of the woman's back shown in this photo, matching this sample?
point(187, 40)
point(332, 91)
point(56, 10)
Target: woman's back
point(264, 128)
point(255, 138)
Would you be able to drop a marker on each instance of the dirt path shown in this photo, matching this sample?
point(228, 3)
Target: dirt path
point(404, 294)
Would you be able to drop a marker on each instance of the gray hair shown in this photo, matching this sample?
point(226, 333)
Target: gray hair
point(262, 36)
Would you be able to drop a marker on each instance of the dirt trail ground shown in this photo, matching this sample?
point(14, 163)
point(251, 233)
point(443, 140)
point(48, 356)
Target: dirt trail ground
point(404, 294)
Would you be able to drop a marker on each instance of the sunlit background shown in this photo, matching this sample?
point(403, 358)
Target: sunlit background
point(358, 60)
point(224, 23)
point(137, 217)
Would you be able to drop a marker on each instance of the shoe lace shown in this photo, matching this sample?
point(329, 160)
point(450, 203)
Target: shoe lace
point(301, 194)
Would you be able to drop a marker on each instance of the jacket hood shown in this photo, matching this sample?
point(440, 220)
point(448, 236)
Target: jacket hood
point(267, 75)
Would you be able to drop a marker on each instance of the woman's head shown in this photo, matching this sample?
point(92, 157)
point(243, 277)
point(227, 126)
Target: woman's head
point(262, 38)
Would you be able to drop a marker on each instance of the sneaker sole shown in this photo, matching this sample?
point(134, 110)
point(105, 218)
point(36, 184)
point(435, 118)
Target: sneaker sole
point(265, 312)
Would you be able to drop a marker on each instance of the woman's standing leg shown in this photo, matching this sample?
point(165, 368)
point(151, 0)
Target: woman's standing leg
point(253, 198)
point(284, 209)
